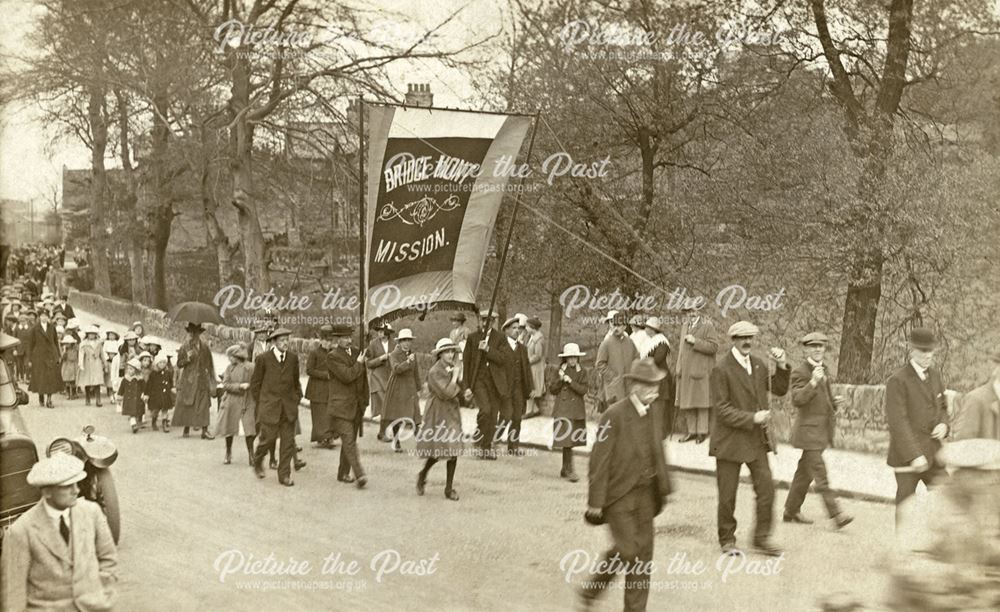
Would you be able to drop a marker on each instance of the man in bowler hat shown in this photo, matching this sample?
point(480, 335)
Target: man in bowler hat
point(917, 412)
point(628, 484)
point(348, 392)
point(276, 390)
point(486, 361)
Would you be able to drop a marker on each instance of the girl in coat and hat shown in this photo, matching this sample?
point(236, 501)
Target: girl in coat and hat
point(237, 415)
point(535, 345)
point(132, 390)
point(441, 435)
point(401, 401)
point(70, 367)
point(160, 392)
point(569, 417)
point(91, 376)
point(129, 350)
point(111, 346)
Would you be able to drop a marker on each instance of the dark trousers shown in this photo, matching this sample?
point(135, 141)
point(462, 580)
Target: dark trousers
point(348, 448)
point(811, 469)
point(727, 478)
point(322, 429)
point(510, 420)
point(490, 406)
point(269, 434)
point(906, 483)
point(631, 522)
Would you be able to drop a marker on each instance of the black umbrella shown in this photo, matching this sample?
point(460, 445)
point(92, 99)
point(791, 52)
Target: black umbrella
point(195, 312)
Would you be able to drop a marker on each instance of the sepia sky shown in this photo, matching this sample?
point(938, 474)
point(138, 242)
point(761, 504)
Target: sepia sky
point(31, 158)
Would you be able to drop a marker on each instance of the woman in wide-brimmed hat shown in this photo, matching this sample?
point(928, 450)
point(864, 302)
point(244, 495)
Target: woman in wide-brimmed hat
point(440, 436)
point(401, 400)
point(236, 418)
point(569, 417)
point(195, 383)
point(91, 376)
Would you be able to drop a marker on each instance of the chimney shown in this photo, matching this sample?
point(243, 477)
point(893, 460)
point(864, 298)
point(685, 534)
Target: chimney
point(419, 94)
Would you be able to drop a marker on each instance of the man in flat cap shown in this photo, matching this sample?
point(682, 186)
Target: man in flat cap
point(60, 554)
point(741, 385)
point(813, 431)
point(979, 410)
point(614, 358)
point(521, 385)
point(276, 391)
point(917, 413)
point(486, 361)
point(629, 484)
point(348, 397)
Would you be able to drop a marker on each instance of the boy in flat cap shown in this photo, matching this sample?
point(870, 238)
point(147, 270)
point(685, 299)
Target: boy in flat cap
point(60, 554)
point(917, 412)
point(813, 431)
point(741, 386)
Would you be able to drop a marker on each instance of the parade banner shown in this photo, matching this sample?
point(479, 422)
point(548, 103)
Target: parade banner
point(436, 179)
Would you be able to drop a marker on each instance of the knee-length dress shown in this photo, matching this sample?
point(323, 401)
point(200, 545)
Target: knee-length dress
point(91, 364)
point(237, 404)
point(69, 363)
point(569, 417)
point(440, 435)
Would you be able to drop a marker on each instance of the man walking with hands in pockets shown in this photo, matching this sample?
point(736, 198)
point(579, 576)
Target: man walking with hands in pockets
point(740, 385)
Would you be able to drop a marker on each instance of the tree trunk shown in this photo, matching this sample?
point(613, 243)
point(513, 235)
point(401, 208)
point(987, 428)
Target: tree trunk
point(858, 331)
point(163, 214)
point(99, 189)
point(136, 260)
point(555, 324)
point(216, 235)
point(255, 258)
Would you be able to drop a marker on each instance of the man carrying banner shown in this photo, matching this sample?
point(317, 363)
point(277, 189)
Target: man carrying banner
point(486, 360)
point(519, 379)
point(347, 395)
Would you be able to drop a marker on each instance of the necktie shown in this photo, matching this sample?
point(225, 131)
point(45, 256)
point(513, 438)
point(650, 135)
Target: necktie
point(63, 528)
point(281, 358)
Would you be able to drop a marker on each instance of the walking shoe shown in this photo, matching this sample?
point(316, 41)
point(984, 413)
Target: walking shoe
point(361, 481)
point(451, 494)
point(205, 435)
point(730, 548)
point(166, 425)
point(286, 481)
point(572, 477)
point(299, 465)
point(258, 469)
point(797, 517)
point(842, 520)
point(135, 428)
point(767, 547)
point(228, 459)
point(273, 464)
point(348, 479)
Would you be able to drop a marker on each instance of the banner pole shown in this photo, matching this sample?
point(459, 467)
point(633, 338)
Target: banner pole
point(506, 247)
point(361, 222)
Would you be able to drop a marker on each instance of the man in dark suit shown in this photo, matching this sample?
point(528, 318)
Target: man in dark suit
point(740, 385)
point(813, 432)
point(628, 484)
point(317, 388)
point(486, 361)
point(379, 371)
point(917, 412)
point(520, 383)
point(276, 391)
point(348, 392)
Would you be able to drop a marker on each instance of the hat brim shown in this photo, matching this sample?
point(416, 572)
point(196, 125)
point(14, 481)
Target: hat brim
point(572, 354)
point(923, 346)
point(655, 379)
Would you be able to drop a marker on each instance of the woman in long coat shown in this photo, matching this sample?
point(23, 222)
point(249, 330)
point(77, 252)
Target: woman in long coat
point(401, 400)
point(440, 436)
point(195, 383)
point(91, 376)
point(237, 415)
point(536, 359)
point(569, 417)
point(43, 351)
